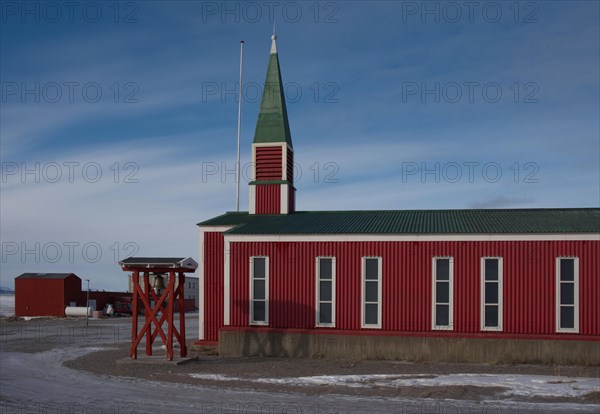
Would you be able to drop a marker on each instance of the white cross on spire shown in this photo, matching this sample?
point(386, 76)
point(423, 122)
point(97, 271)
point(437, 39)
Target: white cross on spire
point(273, 38)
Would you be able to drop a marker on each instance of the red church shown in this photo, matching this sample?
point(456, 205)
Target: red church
point(510, 285)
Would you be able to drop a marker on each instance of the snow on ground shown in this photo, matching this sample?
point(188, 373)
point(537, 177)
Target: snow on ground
point(36, 382)
point(215, 377)
point(39, 383)
point(521, 385)
point(7, 305)
point(518, 385)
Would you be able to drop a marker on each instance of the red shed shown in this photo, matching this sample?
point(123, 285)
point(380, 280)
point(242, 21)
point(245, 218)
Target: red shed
point(516, 285)
point(46, 294)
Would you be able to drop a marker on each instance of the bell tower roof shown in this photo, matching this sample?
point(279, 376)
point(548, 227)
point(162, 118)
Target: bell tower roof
point(273, 125)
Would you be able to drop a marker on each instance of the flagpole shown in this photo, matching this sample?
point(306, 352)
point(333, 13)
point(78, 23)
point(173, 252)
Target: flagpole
point(237, 171)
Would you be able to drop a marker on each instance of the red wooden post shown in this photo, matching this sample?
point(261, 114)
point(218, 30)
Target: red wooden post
point(149, 330)
point(183, 346)
point(134, 317)
point(151, 316)
point(170, 300)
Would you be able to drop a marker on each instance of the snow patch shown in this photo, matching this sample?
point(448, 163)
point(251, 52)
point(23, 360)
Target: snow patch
point(355, 381)
point(60, 355)
point(514, 385)
point(7, 305)
point(215, 377)
point(521, 385)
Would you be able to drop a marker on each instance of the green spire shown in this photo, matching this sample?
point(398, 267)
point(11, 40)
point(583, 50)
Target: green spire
point(272, 125)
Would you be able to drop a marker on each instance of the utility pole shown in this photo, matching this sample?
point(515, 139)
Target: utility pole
point(87, 304)
point(239, 131)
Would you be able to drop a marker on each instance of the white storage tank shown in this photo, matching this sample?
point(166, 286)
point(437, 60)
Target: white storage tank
point(77, 311)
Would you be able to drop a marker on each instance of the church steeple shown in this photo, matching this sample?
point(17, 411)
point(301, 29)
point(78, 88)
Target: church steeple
point(273, 125)
point(271, 189)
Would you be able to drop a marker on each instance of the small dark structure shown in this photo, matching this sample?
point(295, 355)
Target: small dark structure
point(159, 298)
point(46, 294)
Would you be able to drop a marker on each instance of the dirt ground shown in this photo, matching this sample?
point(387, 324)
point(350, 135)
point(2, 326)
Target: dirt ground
point(247, 369)
point(111, 338)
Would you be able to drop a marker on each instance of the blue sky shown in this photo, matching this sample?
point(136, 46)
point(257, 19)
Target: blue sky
point(118, 120)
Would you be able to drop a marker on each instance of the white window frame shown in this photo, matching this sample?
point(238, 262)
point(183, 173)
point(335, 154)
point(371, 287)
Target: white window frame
point(363, 292)
point(575, 328)
point(252, 321)
point(318, 292)
point(450, 325)
point(500, 293)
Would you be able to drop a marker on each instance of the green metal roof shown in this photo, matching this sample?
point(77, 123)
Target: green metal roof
point(272, 125)
point(514, 221)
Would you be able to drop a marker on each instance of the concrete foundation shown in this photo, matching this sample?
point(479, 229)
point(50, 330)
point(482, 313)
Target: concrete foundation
point(409, 348)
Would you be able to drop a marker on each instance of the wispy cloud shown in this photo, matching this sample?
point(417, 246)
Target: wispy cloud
point(502, 201)
point(372, 148)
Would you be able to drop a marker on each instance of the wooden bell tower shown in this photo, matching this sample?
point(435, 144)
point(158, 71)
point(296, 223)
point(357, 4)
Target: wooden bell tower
point(157, 299)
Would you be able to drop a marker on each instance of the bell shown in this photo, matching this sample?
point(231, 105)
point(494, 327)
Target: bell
point(159, 284)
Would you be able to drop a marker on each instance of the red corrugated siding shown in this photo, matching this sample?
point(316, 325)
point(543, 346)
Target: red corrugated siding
point(72, 290)
point(529, 284)
point(269, 163)
point(213, 285)
point(268, 199)
point(39, 297)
